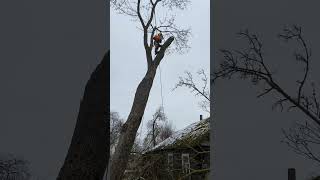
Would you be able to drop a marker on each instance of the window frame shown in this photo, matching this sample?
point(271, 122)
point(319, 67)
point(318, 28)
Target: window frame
point(185, 165)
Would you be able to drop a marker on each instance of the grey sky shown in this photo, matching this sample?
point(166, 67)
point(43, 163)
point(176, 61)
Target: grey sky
point(248, 132)
point(48, 51)
point(128, 66)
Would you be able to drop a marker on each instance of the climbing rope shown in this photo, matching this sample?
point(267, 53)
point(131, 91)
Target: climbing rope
point(155, 20)
point(155, 23)
point(161, 90)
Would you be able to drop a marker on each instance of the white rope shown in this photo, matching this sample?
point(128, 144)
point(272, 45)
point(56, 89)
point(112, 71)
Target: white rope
point(155, 23)
point(161, 90)
point(155, 19)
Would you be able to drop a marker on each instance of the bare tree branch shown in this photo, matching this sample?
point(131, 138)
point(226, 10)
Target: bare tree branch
point(189, 83)
point(249, 64)
point(203, 91)
point(167, 26)
point(296, 33)
point(304, 139)
point(139, 15)
point(152, 12)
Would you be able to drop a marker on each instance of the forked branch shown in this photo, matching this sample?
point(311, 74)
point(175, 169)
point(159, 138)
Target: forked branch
point(250, 64)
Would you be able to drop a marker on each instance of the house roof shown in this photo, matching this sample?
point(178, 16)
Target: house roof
point(190, 136)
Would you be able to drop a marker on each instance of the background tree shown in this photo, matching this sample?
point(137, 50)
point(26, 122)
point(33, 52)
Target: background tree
point(158, 129)
point(116, 124)
point(166, 131)
point(250, 64)
point(202, 91)
point(144, 12)
point(12, 167)
point(115, 127)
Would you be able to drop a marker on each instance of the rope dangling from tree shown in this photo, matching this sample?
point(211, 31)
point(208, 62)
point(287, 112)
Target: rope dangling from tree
point(155, 23)
point(161, 90)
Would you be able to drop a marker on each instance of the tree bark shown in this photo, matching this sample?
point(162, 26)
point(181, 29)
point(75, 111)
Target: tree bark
point(88, 154)
point(130, 127)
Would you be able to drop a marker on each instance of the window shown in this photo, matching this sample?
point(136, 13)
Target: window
point(170, 160)
point(185, 163)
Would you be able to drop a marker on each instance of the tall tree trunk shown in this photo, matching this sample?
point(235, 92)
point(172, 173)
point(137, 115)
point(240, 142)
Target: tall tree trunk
point(130, 127)
point(88, 154)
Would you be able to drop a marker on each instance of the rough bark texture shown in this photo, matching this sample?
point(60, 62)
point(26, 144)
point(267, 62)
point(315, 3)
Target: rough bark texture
point(88, 154)
point(130, 127)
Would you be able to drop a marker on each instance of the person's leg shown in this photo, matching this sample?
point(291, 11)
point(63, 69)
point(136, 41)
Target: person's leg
point(156, 49)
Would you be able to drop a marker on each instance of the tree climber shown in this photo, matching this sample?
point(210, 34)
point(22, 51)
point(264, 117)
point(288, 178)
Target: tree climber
point(157, 40)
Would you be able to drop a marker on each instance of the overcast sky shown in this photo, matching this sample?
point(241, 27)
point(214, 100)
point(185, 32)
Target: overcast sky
point(47, 57)
point(248, 132)
point(48, 51)
point(128, 66)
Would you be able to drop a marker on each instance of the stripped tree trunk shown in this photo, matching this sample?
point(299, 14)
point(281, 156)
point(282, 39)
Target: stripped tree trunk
point(130, 127)
point(88, 154)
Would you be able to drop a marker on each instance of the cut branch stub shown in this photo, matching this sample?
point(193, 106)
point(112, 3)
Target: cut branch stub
point(160, 54)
